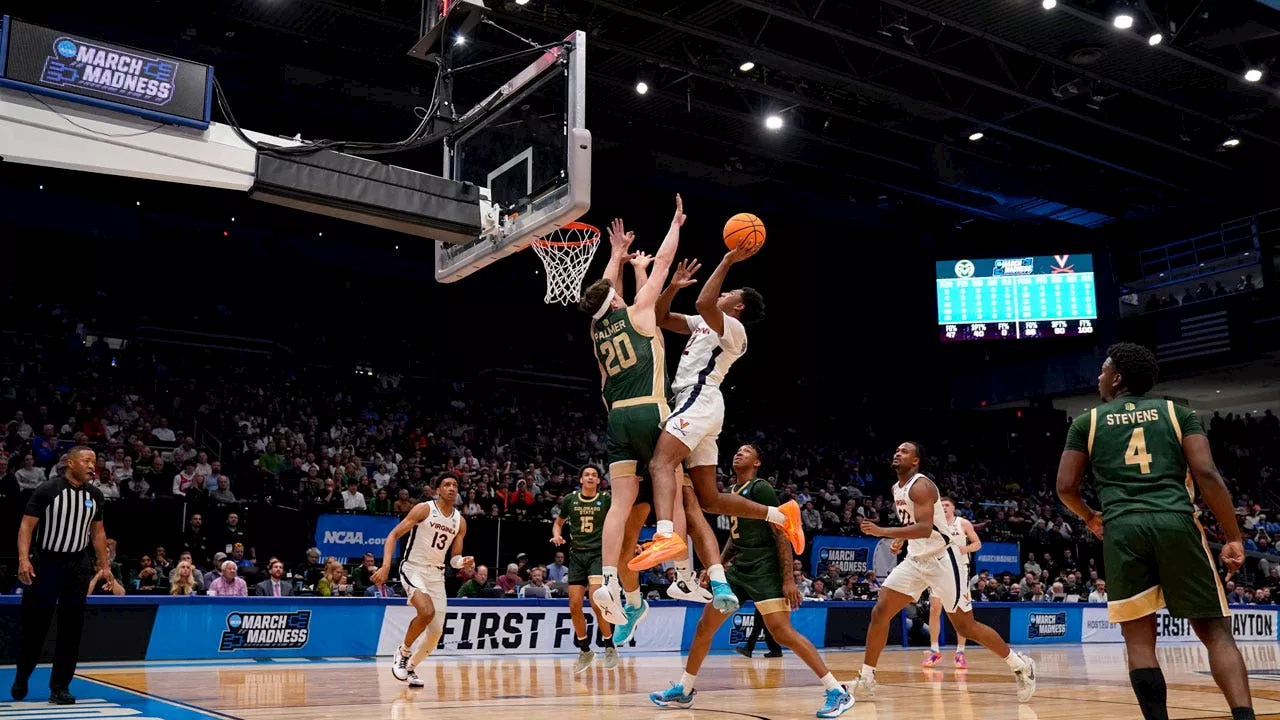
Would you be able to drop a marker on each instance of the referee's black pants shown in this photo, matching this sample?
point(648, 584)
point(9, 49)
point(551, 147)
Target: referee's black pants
point(757, 628)
point(60, 585)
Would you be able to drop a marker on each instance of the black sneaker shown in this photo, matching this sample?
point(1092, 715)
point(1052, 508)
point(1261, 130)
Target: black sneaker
point(773, 654)
point(61, 697)
point(743, 651)
point(19, 689)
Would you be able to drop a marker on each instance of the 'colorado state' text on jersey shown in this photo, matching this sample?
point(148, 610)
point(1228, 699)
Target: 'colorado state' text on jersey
point(585, 518)
point(633, 363)
point(905, 507)
point(430, 540)
point(754, 535)
point(707, 356)
point(1134, 445)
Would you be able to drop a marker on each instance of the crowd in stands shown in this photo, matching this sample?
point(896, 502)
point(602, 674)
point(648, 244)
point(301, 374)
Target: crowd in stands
point(373, 447)
point(1202, 292)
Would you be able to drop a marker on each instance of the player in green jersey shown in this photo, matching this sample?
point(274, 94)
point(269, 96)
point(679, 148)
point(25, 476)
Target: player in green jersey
point(760, 554)
point(629, 351)
point(1144, 453)
point(584, 512)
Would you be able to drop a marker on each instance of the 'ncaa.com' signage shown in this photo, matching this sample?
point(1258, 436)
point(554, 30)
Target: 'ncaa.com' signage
point(1246, 624)
point(997, 558)
point(73, 67)
point(850, 554)
point(351, 536)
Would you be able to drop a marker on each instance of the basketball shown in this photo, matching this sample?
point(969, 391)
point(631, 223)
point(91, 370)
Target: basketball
point(744, 228)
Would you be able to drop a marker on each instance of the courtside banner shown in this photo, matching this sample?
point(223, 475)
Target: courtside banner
point(351, 536)
point(233, 627)
point(997, 558)
point(809, 620)
point(850, 554)
point(1246, 624)
point(514, 626)
point(1045, 623)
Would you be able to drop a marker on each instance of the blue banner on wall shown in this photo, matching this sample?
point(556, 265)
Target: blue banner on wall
point(850, 554)
point(266, 627)
point(810, 621)
point(997, 558)
point(351, 536)
point(1056, 623)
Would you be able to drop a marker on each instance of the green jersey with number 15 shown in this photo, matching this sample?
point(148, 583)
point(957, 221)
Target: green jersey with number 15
point(585, 518)
point(1134, 446)
point(633, 361)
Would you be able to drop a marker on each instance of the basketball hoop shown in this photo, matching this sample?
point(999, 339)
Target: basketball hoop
point(566, 253)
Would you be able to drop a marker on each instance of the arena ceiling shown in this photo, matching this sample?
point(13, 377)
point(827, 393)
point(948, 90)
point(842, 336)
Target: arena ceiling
point(1079, 121)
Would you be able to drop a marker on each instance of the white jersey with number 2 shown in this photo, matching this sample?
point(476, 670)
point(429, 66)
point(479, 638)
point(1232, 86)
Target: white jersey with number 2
point(430, 540)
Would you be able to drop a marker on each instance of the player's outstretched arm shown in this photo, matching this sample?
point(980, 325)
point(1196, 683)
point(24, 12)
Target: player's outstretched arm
point(619, 252)
point(710, 295)
point(923, 495)
point(682, 278)
point(647, 296)
point(1216, 495)
point(415, 516)
point(639, 262)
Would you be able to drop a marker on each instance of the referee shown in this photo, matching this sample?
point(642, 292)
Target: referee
point(68, 512)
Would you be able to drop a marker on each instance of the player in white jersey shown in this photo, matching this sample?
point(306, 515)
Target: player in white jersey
point(717, 338)
point(931, 563)
point(964, 542)
point(435, 529)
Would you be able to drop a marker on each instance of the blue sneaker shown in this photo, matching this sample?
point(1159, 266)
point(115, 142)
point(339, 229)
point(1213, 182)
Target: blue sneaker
point(723, 598)
point(839, 701)
point(674, 697)
point(623, 631)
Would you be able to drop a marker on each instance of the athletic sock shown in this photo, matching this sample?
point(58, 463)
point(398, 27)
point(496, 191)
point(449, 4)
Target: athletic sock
point(775, 516)
point(829, 682)
point(633, 597)
point(606, 642)
point(716, 573)
point(960, 645)
point(608, 573)
point(405, 652)
point(1242, 713)
point(584, 644)
point(868, 672)
point(1014, 661)
point(666, 528)
point(687, 681)
point(935, 649)
point(684, 566)
point(1153, 695)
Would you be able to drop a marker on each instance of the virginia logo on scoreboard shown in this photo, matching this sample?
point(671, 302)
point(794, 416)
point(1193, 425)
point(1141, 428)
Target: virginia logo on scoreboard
point(1061, 265)
point(114, 71)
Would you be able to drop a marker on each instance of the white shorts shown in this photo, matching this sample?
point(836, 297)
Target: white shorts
point(429, 580)
point(942, 575)
point(696, 418)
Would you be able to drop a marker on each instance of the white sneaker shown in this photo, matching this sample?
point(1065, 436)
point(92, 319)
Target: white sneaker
point(414, 680)
point(400, 666)
point(864, 684)
point(608, 598)
point(686, 587)
point(1026, 679)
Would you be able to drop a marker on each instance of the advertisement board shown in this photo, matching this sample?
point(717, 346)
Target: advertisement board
point(1045, 623)
point(1246, 624)
point(850, 554)
point(996, 558)
point(351, 536)
point(810, 620)
point(227, 628)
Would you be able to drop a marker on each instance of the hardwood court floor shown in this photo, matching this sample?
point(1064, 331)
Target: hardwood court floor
point(1075, 682)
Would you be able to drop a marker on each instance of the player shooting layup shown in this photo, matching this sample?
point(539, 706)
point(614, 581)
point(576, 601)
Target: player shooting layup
point(931, 563)
point(584, 511)
point(760, 571)
point(1145, 452)
point(965, 542)
point(432, 527)
point(633, 372)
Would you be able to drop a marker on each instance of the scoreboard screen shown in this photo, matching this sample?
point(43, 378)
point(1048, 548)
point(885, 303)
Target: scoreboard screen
point(1015, 298)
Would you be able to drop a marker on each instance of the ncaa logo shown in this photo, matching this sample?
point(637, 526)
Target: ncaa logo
point(65, 47)
point(964, 269)
point(234, 621)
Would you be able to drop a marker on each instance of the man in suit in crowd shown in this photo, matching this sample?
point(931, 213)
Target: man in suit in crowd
point(275, 585)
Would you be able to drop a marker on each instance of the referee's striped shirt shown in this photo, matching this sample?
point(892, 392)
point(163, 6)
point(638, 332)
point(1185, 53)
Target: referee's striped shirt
point(66, 514)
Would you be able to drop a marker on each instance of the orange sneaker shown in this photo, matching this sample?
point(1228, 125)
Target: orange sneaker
point(662, 549)
point(794, 529)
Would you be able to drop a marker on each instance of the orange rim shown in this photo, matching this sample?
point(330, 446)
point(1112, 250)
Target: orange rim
point(591, 229)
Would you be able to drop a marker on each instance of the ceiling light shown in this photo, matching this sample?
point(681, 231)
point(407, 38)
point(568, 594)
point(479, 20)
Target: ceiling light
point(1253, 74)
point(522, 2)
point(773, 122)
point(1123, 20)
point(1231, 142)
point(1155, 39)
point(747, 66)
point(642, 87)
point(1048, 4)
point(460, 40)
point(975, 137)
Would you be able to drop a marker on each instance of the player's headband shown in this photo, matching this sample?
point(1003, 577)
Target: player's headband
point(604, 306)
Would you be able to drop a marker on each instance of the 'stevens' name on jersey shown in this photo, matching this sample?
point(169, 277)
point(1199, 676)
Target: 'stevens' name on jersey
point(1136, 417)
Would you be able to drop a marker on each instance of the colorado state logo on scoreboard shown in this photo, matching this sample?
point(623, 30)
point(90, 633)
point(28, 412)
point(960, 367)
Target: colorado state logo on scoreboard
point(964, 269)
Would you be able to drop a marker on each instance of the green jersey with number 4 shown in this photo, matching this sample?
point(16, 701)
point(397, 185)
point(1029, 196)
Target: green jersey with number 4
point(1134, 446)
point(585, 518)
point(633, 362)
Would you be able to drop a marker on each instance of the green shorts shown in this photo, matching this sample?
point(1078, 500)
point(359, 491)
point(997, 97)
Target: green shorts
point(756, 576)
point(1160, 559)
point(632, 435)
point(584, 568)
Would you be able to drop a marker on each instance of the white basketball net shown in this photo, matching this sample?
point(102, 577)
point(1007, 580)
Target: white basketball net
point(566, 253)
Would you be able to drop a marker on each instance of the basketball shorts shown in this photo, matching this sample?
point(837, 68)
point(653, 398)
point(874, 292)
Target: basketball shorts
point(1160, 559)
point(696, 420)
point(429, 580)
point(756, 576)
point(584, 568)
point(631, 436)
point(942, 575)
